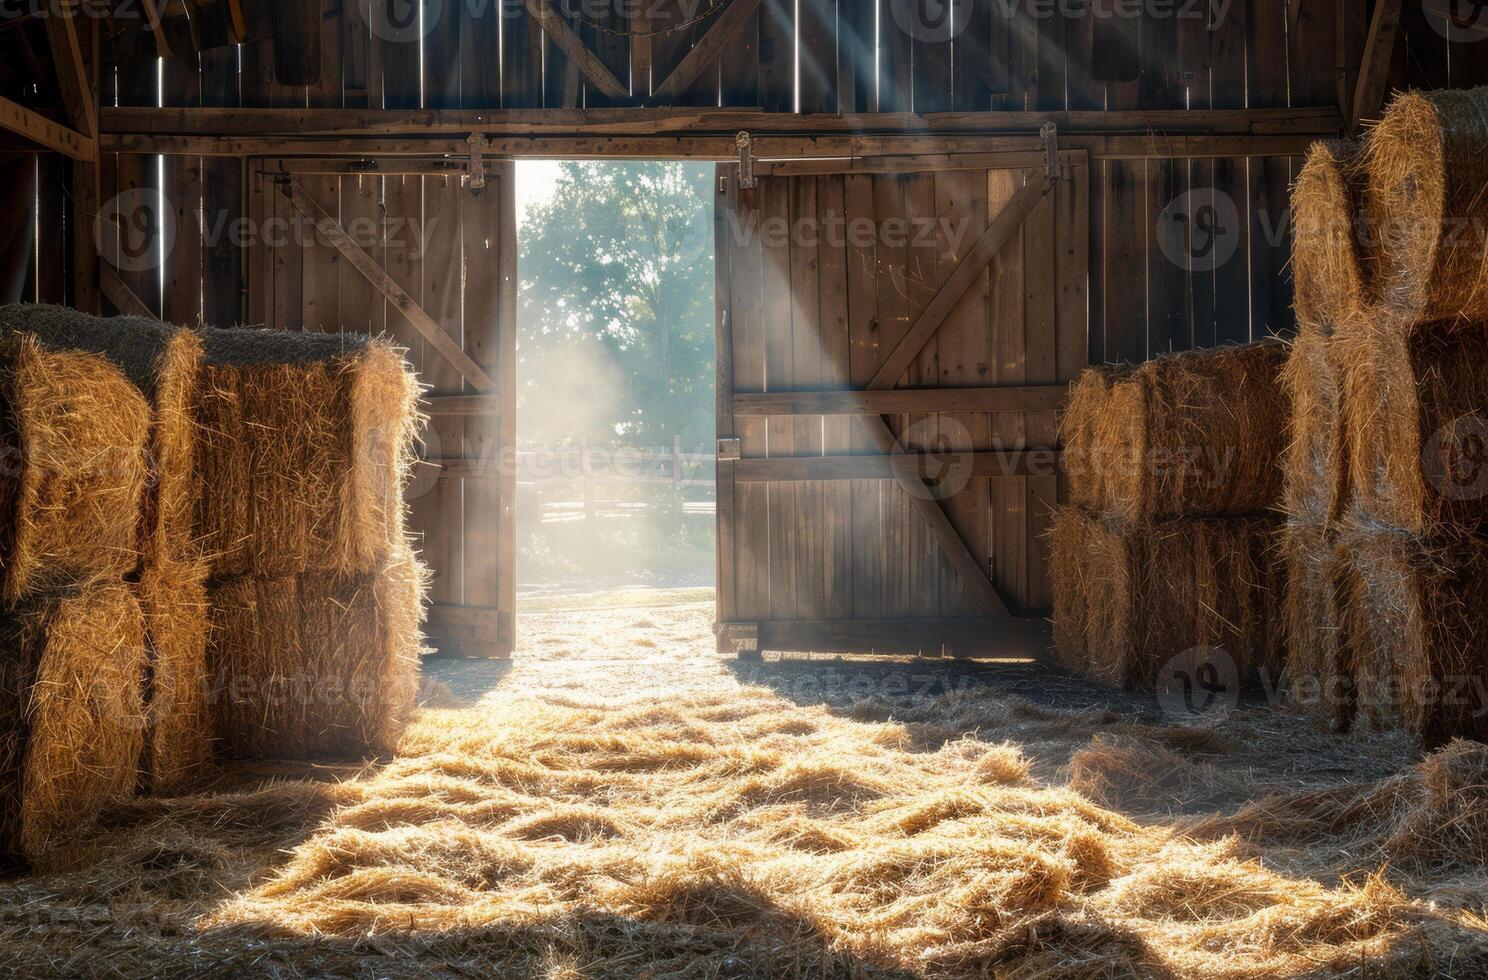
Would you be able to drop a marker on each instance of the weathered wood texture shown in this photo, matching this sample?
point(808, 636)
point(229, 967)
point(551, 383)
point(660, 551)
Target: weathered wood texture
point(824, 276)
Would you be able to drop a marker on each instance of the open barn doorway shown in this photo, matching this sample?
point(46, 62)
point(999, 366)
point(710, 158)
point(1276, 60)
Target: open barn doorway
point(616, 357)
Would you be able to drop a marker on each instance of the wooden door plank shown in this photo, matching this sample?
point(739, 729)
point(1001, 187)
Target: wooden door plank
point(1007, 495)
point(725, 208)
point(746, 287)
point(998, 233)
point(965, 358)
point(806, 371)
point(836, 353)
point(863, 360)
point(784, 541)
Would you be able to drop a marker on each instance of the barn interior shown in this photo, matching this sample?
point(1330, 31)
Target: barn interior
point(1082, 488)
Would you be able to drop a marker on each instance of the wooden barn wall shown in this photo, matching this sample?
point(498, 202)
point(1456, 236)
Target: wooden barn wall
point(1011, 57)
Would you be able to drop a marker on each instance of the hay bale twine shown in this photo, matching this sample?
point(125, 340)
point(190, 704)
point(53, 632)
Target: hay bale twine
point(1327, 265)
point(76, 470)
point(317, 665)
point(71, 714)
point(1416, 423)
point(178, 741)
point(1426, 202)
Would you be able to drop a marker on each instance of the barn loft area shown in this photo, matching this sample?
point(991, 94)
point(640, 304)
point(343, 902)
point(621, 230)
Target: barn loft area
point(1072, 419)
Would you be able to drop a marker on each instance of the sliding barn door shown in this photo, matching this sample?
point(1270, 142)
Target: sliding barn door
point(895, 343)
point(415, 252)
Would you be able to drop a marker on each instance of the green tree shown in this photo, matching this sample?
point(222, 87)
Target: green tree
point(616, 340)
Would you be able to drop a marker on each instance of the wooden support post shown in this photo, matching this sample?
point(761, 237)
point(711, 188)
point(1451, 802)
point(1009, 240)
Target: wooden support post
point(1374, 67)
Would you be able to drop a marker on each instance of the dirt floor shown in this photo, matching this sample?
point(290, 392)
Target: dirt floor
point(620, 800)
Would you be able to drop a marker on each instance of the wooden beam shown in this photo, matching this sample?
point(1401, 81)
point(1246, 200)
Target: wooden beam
point(385, 284)
point(464, 405)
point(913, 164)
point(157, 27)
point(902, 401)
point(706, 51)
point(72, 70)
point(238, 22)
point(39, 129)
point(1316, 122)
point(977, 465)
point(123, 298)
point(1374, 67)
point(719, 148)
point(1008, 221)
point(562, 34)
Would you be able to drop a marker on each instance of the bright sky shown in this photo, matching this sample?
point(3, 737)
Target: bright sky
point(535, 183)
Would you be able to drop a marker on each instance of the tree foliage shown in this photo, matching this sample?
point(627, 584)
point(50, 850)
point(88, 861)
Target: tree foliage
point(616, 309)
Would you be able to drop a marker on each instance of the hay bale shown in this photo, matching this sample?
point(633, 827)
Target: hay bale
point(162, 361)
point(71, 714)
point(1197, 434)
point(76, 437)
point(1320, 583)
point(1067, 541)
point(1149, 593)
point(178, 741)
point(1315, 471)
point(1426, 201)
point(222, 524)
point(318, 664)
point(1416, 423)
point(1418, 622)
point(307, 442)
point(1327, 262)
point(1088, 402)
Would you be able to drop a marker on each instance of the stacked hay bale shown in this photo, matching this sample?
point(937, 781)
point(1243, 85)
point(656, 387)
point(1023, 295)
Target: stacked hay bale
point(1387, 487)
point(168, 578)
point(1169, 543)
point(315, 598)
point(73, 656)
